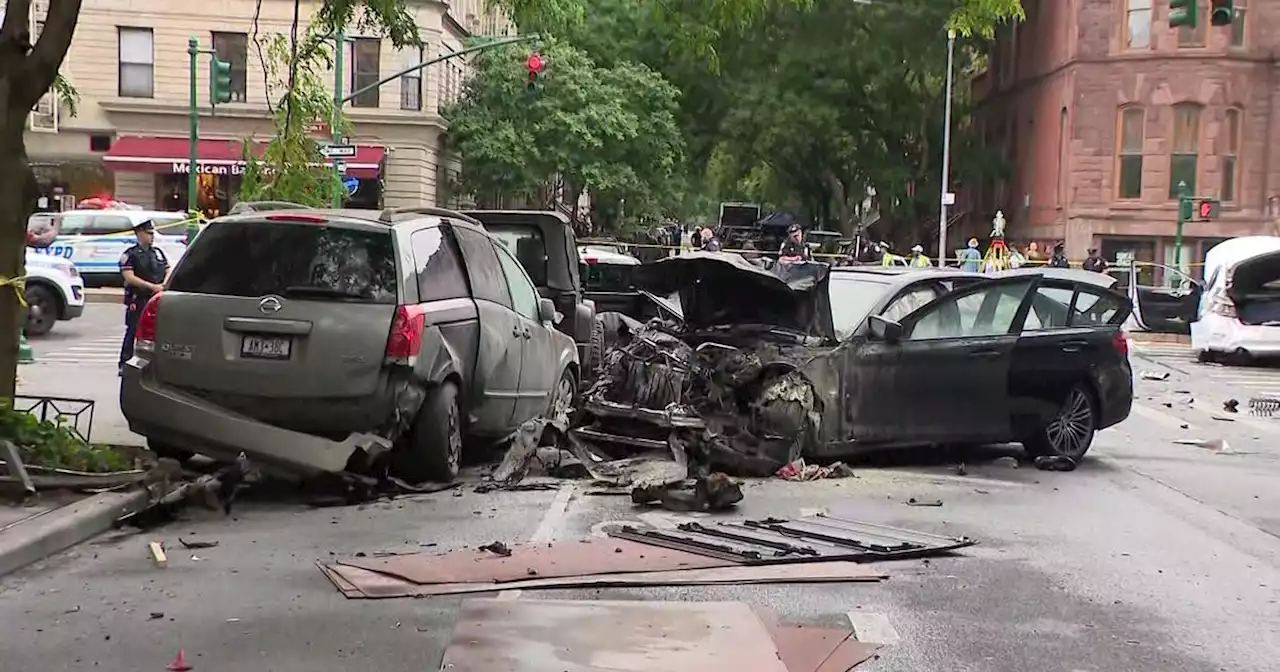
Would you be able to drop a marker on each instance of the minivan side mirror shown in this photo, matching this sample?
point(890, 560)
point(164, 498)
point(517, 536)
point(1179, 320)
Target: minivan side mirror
point(884, 329)
point(546, 311)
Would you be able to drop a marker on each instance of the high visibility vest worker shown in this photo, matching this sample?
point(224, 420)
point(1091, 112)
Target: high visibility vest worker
point(887, 259)
point(921, 261)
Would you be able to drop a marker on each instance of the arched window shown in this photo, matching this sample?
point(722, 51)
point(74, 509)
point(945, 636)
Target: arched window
point(1131, 136)
point(1184, 159)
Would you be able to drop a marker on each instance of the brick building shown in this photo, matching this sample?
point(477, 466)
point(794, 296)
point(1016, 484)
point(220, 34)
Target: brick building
point(129, 63)
point(1101, 109)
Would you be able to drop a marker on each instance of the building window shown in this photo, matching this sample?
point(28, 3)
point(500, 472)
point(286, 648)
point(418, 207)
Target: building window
point(1237, 26)
point(233, 48)
point(1062, 156)
point(411, 83)
point(1230, 154)
point(1133, 121)
point(367, 69)
point(1184, 159)
point(1138, 24)
point(1193, 37)
point(137, 62)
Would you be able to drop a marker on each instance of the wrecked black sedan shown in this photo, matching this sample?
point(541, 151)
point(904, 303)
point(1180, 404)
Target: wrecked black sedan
point(804, 360)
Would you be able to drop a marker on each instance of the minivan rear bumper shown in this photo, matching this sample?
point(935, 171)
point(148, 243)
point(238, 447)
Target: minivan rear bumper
point(184, 421)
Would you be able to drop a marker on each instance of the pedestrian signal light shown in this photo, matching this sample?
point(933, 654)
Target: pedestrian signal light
point(219, 81)
point(1222, 12)
point(1207, 209)
point(1183, 13)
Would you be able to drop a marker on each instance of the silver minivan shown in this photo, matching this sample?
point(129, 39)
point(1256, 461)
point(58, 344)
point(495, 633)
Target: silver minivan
point(307, 338)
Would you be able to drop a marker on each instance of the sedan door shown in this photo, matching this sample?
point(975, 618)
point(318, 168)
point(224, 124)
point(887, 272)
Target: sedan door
point(1168, 304)
point(955, 356)
point(538, 373)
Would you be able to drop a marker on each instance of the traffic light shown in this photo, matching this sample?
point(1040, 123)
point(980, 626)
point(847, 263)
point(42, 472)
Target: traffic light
point(535, 65)
point(1207, 209)
point(1186, 209)
point(219, 81)
point(1183, 13)
point(1222, 12)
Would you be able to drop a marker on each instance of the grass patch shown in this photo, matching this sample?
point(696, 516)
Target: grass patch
point(53, 445)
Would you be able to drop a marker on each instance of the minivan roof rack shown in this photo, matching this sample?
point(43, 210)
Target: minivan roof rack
point(264, 206)
point(388, 215)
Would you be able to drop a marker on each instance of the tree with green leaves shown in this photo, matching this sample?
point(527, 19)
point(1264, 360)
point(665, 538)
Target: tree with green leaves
point(611, 131)
point(30, 70)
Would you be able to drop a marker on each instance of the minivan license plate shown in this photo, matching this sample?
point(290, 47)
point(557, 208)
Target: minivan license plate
point(266, 347)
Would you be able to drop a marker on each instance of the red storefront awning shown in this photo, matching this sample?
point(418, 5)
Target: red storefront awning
point(218, 157)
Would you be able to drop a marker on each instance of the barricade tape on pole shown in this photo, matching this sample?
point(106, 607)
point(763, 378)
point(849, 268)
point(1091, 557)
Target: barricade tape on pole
point(19, 285)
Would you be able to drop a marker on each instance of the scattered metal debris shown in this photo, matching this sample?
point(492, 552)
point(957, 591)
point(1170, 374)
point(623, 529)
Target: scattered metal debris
point(193, 545)
point(1155, 375)
point(716, 492)
point(799, 470)
point(497, 548)
point(1055, 463)
point(1264, 406)
point(1215, 445)
point(1231, 406)
point(924, 502)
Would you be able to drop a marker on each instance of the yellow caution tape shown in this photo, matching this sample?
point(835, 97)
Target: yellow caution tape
point(19, 285)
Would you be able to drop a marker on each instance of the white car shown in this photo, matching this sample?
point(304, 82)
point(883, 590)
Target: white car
point(55, 291)
point(94, 240)
point(1237, 316)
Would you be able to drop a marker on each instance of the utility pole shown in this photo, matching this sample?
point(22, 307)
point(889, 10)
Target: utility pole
point(193, 50)
point(946, 155)
point(335, 124)
point(1184, 214)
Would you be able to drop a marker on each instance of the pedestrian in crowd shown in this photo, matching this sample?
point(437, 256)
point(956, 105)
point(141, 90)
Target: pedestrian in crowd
point(970, 257)
point(695, 238)
point(145, 269)
point(794, 249)
point(1059, 257)
point(709, 242)
point(887, 257)
point(1033, 256)
point(918, 259)
point(1095, 263)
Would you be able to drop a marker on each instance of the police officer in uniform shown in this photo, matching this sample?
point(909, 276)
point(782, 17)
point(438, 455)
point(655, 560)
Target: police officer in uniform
point(145, 270)
point(794, 249)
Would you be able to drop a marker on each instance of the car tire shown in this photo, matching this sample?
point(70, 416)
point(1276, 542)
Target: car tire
point(162, 449)
point(1205, 357)
point(433, 451)
point(564, 397)
point(595, 352)
point(1070, 433)
point(43, 313)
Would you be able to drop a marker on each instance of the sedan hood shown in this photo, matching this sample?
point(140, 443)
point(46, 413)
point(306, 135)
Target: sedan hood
point(720, 289)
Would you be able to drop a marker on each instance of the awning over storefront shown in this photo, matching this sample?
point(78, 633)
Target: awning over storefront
point(218, 157)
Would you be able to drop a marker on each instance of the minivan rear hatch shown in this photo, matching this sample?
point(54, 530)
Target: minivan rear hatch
point(279, 306)
point(1254, 287)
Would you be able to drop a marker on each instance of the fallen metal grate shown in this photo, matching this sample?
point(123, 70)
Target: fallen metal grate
point(75, 415)
point(809, 539)
point(1264, 406)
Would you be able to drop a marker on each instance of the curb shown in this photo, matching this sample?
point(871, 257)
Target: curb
point(97, 295)
point(40, 537)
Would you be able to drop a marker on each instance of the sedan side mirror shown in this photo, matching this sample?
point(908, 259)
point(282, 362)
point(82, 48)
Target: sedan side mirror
point(884, 329)
point(546, 311)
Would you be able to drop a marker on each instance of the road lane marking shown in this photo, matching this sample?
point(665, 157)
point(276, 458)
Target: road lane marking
point(547, 528)
point(873, 628)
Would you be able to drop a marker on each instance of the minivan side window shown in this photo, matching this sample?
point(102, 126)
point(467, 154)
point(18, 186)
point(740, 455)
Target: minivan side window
point(439, 271)
point(104, 224)
point(524, 297)
point(483, 267)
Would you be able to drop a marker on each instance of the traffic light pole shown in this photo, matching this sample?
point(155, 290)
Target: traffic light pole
point(193, 50)
point(335, 124)
point(438, 59)
point(1184, 212)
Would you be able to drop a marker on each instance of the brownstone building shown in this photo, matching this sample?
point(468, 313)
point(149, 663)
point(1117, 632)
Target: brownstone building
point(1101, 110)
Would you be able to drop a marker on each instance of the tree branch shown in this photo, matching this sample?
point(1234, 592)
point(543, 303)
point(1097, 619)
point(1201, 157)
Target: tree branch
point(46, 57)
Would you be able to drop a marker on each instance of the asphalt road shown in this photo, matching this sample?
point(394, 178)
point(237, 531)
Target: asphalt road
point(1152, 557)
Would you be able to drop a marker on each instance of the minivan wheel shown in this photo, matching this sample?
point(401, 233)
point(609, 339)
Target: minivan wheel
point(1070, 432)
point(434, 449)
point(564, 396)
point(43, 310)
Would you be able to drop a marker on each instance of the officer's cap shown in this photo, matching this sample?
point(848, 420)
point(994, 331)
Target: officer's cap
point(793, 228)
point(145, 225)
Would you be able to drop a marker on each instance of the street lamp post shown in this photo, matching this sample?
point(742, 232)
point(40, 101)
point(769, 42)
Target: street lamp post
point(946, 154)
point(335, 124)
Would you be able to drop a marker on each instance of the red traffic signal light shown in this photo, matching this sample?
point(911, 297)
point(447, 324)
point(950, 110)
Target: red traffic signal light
point(535, 63)
point(1206, 209)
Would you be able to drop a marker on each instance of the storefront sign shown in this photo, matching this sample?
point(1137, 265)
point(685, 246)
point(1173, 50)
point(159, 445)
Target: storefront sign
point(184, 167)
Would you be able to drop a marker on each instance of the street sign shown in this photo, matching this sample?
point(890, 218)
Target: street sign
point(351, 184)
point(338, 151)
point(341, 166)
point(949, 198)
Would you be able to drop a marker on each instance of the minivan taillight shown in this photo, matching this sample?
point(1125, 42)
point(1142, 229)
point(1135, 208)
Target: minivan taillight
point(144, 334)
point(405, 341)
point(1121, 343)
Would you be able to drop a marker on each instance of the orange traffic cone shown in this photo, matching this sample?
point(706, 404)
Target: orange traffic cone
point(179, 663)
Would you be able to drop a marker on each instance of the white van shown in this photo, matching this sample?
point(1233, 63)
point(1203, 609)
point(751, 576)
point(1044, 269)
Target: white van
point(94, 240)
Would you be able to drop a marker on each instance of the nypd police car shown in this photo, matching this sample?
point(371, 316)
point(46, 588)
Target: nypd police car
point(55, 291)
point(93, 240)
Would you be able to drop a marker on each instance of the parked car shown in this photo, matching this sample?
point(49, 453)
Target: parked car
point(807, 360)
point(305, 338)
point(607, 282)
point(94, 240)
point(55, 292)
point(545, 245)
point(1238, 316)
